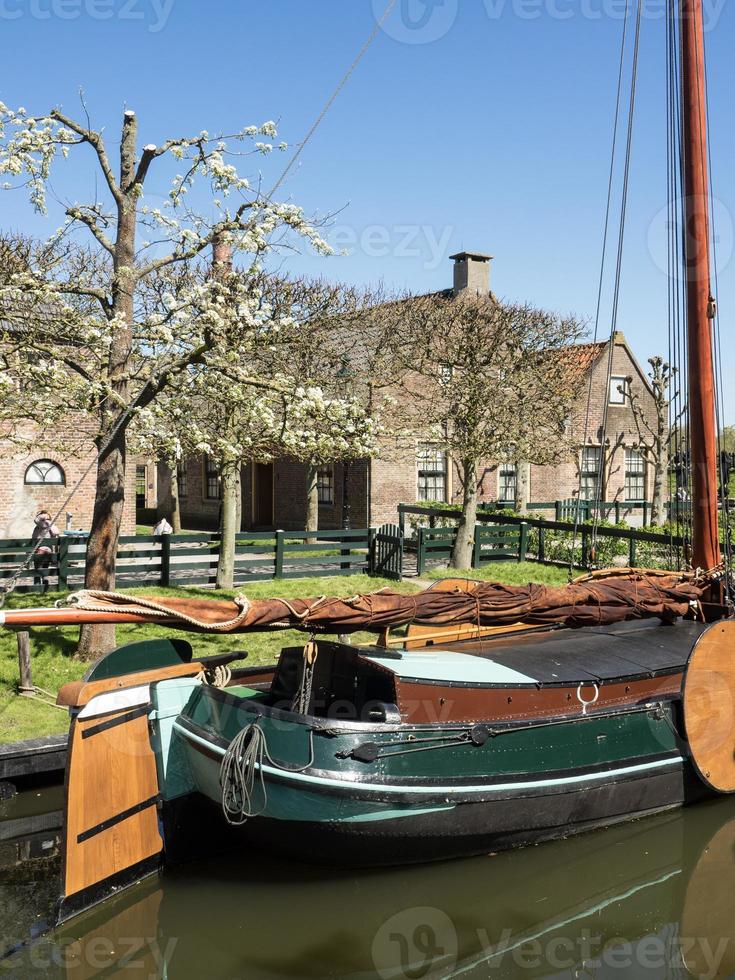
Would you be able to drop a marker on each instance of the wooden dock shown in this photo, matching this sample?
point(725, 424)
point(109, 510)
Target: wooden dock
point(36, 757)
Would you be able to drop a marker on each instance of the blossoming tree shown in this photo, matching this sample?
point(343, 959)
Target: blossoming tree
point(103, 332)
point(489, 378)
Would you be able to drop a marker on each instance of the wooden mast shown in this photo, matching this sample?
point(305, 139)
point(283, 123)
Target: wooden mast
point(700, 305)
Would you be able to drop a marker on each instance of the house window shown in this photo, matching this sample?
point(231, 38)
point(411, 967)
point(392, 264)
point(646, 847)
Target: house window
point(45, 472)
point(635, 475)
point(141, 474)
point(619, 390)
point(212, 483)
point(182, 480)
point(508, 484)
point(590, 475)
point(325, 485)
point(432, 480)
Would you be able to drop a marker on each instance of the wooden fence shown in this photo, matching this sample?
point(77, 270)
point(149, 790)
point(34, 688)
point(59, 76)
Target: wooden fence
point(556, 542)
point(505, 542)
point(191, 559)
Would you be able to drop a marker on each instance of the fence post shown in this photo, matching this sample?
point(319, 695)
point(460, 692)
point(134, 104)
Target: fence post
point(421, 554)
point(24, 663)
point(585, 548)
point(63, 570)
point(617, 511)
point(632, 550)
point(401, 519)
point(541, 545)
point(165, 561)
point(557, 509)
point(345, 552)
point(280, 545)
point(372, 535)
point(523, 542)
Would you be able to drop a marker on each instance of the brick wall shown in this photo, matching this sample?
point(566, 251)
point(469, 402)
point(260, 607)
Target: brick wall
point(378, 486)
point(20, 502)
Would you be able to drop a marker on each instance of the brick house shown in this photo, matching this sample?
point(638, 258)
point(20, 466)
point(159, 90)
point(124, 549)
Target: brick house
point(274, 494)
point(42, 479)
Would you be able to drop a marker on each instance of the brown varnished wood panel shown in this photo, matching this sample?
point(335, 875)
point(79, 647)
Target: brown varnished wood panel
point(707, 914)
point(128, 941)
point(78, 693)
point(423, 704)
point(108, 773)
point(709, 706)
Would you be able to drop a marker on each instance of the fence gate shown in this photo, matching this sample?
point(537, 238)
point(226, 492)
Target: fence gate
point(386, 559)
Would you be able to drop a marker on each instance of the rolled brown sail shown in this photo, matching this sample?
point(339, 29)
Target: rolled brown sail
point(590, 602)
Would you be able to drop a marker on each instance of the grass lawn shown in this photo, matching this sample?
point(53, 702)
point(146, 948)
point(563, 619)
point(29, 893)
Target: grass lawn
point(507, 572)
point(52, 649)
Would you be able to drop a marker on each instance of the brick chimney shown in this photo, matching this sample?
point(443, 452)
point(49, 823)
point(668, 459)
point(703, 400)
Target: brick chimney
point(221, 254)
point(472, 271)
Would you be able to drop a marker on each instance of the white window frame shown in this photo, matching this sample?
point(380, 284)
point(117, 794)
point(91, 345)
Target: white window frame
point(635, 468)
point(426, 453)
point(507, 477)
point(39, 470)
point(615, 395)
point(591, 480)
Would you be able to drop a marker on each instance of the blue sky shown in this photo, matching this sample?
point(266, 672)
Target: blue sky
point(486, 128)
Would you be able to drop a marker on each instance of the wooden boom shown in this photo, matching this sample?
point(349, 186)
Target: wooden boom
point(24, 618)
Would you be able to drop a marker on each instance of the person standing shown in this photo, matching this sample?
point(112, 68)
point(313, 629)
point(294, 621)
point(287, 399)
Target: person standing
point(44, 530)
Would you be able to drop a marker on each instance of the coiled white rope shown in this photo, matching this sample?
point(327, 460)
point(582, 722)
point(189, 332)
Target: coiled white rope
point(242, 765)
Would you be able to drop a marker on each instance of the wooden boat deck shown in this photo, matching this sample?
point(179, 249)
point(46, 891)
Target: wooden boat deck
point(638, 649)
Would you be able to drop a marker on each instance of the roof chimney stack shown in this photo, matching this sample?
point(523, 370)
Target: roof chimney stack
point(472, 272)
point(221, 254)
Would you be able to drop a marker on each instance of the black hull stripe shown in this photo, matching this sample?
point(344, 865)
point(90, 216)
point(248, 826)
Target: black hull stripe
point(71, 905)
point(103, 726)
point(118, 818)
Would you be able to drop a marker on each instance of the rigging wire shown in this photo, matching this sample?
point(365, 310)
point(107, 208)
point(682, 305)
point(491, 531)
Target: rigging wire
point(333, 97)
point(603, 262)
point(618, 264)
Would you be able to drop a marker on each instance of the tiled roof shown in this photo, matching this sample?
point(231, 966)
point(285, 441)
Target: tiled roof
point(581, 357)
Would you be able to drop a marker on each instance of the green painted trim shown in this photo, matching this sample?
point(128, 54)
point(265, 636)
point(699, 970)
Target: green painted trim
point(384, 789)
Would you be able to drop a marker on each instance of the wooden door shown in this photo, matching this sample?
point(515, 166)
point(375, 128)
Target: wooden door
point(263, 495)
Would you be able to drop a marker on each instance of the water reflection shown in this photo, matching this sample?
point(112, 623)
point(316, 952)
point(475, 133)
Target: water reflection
point(652, 899)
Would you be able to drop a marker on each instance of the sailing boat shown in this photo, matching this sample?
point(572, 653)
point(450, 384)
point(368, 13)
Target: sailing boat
point(504, 716)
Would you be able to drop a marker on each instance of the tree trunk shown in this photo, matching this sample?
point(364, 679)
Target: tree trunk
point(465, 540)
point(523, 486)
point(312, 500)
point(110, 490)
point(94, 641)
point(175, 502)
point(228, 526)
point(658, 508)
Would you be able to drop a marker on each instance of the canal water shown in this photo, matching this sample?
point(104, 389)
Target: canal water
point(652, 899)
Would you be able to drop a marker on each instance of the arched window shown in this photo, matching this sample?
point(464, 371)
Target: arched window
point(45, 472)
